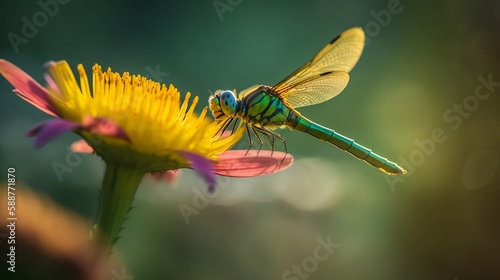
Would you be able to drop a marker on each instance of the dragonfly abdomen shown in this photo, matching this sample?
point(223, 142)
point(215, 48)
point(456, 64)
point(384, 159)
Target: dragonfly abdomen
point(346, 144)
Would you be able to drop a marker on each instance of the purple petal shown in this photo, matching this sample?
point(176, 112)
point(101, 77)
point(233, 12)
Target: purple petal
point(104, 126)
point(203, 167)
point(49, 130)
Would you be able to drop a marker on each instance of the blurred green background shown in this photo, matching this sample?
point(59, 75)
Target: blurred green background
point(416, 80)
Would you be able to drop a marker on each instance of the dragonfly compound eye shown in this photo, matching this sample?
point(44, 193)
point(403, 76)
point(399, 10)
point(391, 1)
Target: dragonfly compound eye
point(228, 102)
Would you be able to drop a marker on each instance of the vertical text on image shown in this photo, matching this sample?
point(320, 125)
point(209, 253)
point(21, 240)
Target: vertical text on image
point(11, 218)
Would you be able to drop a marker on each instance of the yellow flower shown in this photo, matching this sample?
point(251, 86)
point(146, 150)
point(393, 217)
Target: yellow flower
point(156, 123)
point(136, 125)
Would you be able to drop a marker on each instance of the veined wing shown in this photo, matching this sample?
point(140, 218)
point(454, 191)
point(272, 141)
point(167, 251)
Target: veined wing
point(315, 90)
point(341, 55)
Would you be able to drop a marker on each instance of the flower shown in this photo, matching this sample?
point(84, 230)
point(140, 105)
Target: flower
point(124, 118)
point(137, 126)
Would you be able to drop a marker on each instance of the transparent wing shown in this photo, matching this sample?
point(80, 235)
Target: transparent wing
point(340, 55)
point(315, 90)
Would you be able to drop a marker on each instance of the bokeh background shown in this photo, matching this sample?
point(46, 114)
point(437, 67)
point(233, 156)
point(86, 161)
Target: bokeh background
point(411, 98)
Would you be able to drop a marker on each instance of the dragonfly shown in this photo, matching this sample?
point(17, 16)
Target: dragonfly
point(264, 108)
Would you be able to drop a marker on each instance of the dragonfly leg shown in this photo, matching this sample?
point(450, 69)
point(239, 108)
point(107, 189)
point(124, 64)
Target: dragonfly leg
point(271, 135)
point(249, 138)
point(258, 137)
point(266, 133)
point(233, 129)
point(270, 138)
point(224, 126)
point(284, 144)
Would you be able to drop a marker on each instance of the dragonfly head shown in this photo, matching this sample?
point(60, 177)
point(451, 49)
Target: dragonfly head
point(223, 104)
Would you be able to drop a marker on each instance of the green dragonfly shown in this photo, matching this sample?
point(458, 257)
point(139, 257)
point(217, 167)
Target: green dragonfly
point(263, 108)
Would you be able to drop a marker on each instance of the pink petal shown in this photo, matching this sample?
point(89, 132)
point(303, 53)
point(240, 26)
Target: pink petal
point(226, 134)
point(203, 167)
point(82, 147)
point(49, 130)
point(51, 84)
point(171, 176)
point(105, 127)
point(234, 163)
point(27, 88)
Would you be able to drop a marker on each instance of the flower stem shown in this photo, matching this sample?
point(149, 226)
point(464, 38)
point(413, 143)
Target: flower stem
point(118, 190)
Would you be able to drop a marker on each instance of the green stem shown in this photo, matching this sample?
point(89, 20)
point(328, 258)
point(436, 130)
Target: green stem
point(118, 190)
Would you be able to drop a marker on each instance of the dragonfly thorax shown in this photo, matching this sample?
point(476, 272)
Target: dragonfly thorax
point(223, 104)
